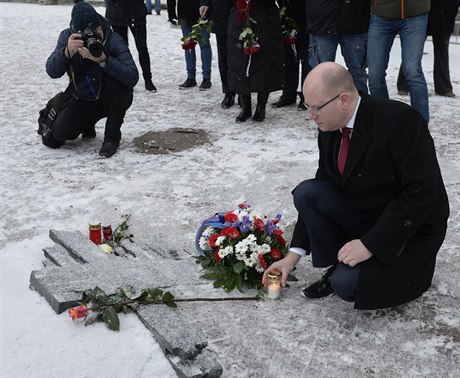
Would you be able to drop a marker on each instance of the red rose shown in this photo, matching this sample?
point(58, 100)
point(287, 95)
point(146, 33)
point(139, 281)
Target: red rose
point(277, 232)
point(262, 261)
point(231, 232)
point(78, 312)
point(275, 254)
point(247, 51)
point(254, 49)
point(281, 241)
point(258, 224)
point(212, 240)
point(217, 258)
point(230, 217)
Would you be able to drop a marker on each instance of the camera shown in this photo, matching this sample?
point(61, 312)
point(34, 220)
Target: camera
point(92, 43)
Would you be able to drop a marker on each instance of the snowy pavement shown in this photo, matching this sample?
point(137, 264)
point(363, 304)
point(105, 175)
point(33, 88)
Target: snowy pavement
point(168, 196)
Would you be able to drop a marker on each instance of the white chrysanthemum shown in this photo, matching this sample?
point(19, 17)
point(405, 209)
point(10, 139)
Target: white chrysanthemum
point(241, 247)
point(251, 260)
point(220, 239)
point(259, 268)
point(265, 248)
point(240, 256)
point(251, 238)
point(225, 251)
point(204, 244)
point(208, 231)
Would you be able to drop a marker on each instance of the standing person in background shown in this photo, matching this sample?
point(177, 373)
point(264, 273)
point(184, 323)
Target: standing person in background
point(188, 15)
point(295, 55)
point(133, 15)
point(148, 4)
point(255, 62)
point(335, 22)
point(218, 11)
point(408, 18)
point(441, 21)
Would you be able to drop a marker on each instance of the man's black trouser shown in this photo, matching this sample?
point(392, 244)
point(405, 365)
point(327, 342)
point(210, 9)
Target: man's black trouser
point(329, 224)
point(79, 115)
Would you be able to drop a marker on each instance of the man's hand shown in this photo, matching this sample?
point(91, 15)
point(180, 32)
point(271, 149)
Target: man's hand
point(285, 266)
point(84, 52)
point(203, 10)
point(73, 44)
point(353, 252)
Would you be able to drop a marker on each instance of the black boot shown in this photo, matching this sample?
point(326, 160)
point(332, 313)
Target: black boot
point(259, 114)
point(246, 109)
point(228, 100)
point(109, 147)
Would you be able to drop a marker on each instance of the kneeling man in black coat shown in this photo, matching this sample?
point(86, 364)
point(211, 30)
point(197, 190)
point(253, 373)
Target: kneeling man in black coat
point(376, 211)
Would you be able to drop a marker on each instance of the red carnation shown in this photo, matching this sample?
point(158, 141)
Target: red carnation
point(230, 217)
point(275, 254)
point(262, 261)
point(189, 44)
point(212, 240)
point(277, 232)
point(217, 258)
point(259, 224)
point(281, 241)
point(231, 232)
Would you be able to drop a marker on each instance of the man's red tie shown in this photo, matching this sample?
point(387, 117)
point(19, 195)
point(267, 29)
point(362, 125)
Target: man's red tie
point(344, 146)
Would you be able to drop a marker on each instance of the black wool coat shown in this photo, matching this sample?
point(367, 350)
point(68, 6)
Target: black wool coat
point(266, 67)
point(393, 181)
point(441, 19)
point(187, 11)
point(126, 12)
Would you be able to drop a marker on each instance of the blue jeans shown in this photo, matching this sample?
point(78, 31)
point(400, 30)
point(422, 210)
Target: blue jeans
point(148, 4)
point(354, 46)
point(190, 55)
point(412, 32)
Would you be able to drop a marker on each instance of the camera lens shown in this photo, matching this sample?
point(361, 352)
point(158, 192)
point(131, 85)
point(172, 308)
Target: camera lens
point(95, 47)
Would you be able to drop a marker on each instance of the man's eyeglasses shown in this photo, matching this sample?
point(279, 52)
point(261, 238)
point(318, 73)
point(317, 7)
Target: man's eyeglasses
point(316, 109)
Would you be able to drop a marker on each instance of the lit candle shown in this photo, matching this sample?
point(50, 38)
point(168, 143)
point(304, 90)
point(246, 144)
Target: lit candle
point(274, 284)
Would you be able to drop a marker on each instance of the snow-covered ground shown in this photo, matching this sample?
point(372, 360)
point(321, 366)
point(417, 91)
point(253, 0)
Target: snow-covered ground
point(167, 195)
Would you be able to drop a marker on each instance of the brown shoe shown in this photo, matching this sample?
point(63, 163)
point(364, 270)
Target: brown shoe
point(403, 93)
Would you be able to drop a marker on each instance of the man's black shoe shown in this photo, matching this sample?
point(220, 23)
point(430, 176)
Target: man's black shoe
point(189, 83)
point(228, 101)
point(321, 288)
point(301, 106)
point(205, 84)
point(89, 133)
point(108, 148)
point(149, 86)
point(283, 101)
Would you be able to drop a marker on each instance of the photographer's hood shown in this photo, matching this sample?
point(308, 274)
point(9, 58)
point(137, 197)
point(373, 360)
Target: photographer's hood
point(84, 16)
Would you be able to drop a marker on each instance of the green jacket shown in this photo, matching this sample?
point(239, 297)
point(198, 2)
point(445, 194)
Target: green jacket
point(399, 8)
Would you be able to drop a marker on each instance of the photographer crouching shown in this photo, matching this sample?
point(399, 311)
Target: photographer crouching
point(102, 74)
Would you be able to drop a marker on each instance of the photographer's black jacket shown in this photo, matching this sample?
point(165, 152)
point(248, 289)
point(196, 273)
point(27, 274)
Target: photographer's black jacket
point(85, 74)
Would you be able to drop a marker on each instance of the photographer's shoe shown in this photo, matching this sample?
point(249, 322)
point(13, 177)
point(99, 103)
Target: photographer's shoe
point(109, 148)
point(321, 288)
point(89, 133)
point(149, 86)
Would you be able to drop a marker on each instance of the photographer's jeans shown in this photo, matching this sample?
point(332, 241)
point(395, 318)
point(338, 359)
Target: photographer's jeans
point(79, 115)
point(190, 55)
point(323, 48)
point(412, 32)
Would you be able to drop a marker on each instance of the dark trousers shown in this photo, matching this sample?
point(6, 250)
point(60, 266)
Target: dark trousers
point(79, 115)
point(140, 38)
point(441, 75)
point(292, 64)
point(221, 40)
point(329, 224)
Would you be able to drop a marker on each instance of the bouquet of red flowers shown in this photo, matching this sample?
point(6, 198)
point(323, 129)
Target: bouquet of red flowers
point(236, 247)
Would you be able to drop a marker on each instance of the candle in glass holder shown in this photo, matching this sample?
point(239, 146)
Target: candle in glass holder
point(274, 284)
point(95, 232)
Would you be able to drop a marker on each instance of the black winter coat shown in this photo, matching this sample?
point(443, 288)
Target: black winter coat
point(88, 74)
point(219, 10)
point(266, 67)
point(337, 17)
point(441, 19)
point(126, 12)
point(187, 11)
point(393, 181)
